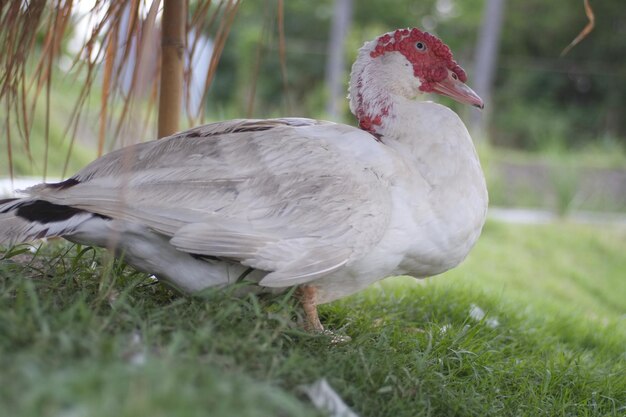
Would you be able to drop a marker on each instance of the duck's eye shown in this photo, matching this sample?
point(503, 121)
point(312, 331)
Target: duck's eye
point(420, 46)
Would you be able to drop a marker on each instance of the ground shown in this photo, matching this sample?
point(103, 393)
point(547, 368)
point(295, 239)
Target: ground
point(532, 324)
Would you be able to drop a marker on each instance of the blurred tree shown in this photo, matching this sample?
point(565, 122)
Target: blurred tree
point(539, 99)
point(335, 62)
point(485, 62)
point(547, 101)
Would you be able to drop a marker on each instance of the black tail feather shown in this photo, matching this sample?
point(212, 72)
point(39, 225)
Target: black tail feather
point(26, 219)
point(45, 212)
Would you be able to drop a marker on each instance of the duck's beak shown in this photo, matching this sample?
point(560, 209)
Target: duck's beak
point(458, 90)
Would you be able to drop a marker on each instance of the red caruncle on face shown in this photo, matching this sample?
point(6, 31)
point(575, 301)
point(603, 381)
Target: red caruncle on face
point(431, 58)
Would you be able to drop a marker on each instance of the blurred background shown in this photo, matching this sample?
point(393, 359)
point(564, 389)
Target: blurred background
point(81, 78)
point(532, 322)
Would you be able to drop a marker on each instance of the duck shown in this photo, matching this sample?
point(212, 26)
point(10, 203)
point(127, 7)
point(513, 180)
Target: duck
point(325, 207)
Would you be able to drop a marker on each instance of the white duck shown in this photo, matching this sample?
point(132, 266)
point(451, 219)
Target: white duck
point(284, 202)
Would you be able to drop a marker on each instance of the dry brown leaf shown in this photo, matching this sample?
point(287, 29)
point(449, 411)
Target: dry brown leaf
point(127, 35)
point(586, 30)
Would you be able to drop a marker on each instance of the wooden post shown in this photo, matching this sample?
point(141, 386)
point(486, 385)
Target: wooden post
point(172, 61)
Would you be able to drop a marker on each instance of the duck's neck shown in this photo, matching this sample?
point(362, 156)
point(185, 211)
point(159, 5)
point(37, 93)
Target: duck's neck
point(426, 135)
point(429, 137)
point(372, 110)
point(374, 88)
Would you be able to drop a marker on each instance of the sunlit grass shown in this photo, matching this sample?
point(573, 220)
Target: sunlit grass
point(561, 266)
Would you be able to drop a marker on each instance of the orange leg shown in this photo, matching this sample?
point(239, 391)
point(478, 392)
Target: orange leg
point(308, 299)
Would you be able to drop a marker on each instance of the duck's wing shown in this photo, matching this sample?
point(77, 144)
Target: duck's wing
point(296, 197)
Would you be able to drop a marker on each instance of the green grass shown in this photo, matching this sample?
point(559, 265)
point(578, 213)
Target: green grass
point(82, 337)
point(556, 180)
point(558, 267)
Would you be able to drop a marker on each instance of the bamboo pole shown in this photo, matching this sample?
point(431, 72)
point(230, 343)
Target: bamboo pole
point(172, 60)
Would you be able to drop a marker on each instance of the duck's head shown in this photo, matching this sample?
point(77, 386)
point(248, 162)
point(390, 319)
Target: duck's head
point(406, 63)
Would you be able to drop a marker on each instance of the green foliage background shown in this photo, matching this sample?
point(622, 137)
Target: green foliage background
point(542, 101)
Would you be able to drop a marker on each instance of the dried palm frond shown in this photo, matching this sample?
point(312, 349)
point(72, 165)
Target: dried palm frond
point(121, 52)
point(591, 21)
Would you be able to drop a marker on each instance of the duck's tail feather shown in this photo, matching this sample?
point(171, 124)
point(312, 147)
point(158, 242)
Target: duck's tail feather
point(27, 219)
